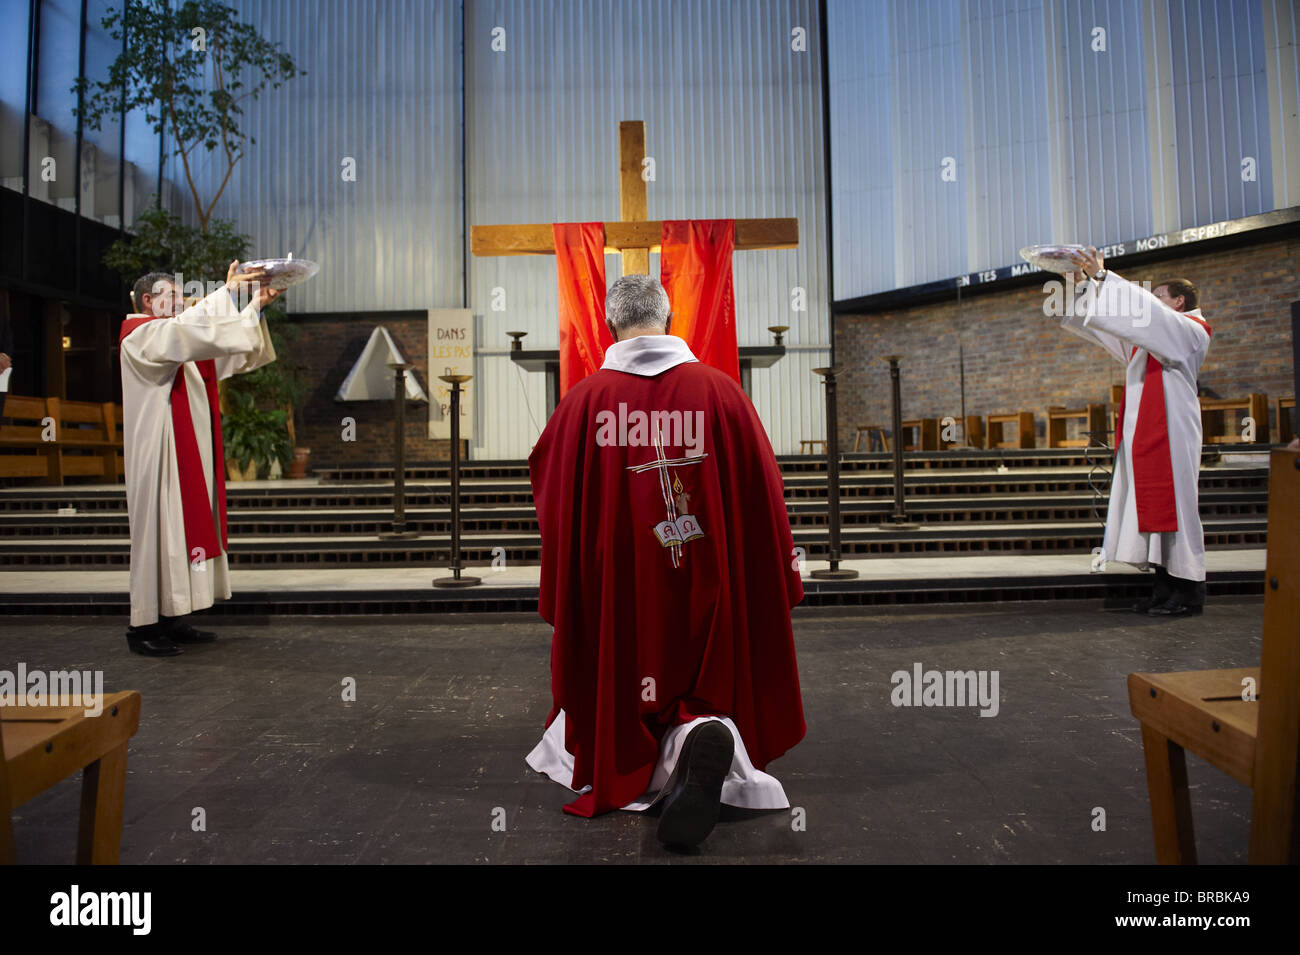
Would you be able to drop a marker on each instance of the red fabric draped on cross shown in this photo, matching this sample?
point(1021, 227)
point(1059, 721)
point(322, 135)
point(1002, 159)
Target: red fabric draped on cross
point(695, 268)
point(200, 530)
point(580, 264)
point(1153, 469)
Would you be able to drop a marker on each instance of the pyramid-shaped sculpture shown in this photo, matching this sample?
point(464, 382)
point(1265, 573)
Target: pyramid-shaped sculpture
point(371, 379)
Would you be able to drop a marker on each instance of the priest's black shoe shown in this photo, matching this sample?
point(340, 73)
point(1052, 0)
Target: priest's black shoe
point(152, 645)
point(1176, 606)
point(184, 633)
point(1161, 591)
point(694, 790)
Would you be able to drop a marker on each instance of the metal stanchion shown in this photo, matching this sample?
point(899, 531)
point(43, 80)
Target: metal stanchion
point(455, 580)
point(399, 531)
point(900, 513)
point(834, 572)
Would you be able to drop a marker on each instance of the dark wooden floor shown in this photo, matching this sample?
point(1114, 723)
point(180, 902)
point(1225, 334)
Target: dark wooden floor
point(253, 731)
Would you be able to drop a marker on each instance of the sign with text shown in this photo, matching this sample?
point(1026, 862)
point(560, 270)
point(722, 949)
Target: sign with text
point(451, 352)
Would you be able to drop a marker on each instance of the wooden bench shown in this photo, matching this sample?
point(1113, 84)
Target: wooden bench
point(1092, 418)
point(1286, 419)
point(871, 431)
point(43, 745)
point(1256, 406)
point(927, 434)
point(974, 431)
point(1254, 739)
point(1023, 420)
point(87, 440)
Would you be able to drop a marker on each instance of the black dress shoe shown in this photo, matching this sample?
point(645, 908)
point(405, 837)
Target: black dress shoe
point(154, 646)
point(184, 633)
point(694, 790)
point(1161, 591)
point(1176, 606)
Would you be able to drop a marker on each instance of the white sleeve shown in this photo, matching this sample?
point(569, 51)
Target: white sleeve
point(210, 329)
point(1125, 310)
point(263, 353)
point(1116, 347)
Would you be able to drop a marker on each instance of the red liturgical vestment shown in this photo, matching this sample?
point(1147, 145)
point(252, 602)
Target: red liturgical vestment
point(668, 569)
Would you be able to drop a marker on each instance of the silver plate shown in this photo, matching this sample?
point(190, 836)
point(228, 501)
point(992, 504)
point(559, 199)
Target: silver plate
point(282, 272)
point(1052, 258)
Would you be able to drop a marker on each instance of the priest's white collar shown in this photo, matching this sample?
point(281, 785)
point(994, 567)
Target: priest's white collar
point(647, 355)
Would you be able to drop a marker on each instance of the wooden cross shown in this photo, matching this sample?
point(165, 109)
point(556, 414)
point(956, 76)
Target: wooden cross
point(634, 236)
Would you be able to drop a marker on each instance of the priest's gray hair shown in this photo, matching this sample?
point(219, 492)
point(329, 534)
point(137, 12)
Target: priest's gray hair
point(637, 301)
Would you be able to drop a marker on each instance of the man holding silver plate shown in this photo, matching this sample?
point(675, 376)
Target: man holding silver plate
point(1153, 519)
point(172, 359)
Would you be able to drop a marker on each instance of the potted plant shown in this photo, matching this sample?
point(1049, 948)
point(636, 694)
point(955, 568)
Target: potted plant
point(253, 438)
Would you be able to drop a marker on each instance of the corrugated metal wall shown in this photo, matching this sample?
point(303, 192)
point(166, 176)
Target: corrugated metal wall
point(1007, 155)
point(929, 139)
point(1097, 118)
point(733, 122)
point(1220, 97)
point(1072, 120)
point(383, 89)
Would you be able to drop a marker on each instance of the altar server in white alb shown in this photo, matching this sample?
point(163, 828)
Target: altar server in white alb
point(1153, 519)
point(172, 360)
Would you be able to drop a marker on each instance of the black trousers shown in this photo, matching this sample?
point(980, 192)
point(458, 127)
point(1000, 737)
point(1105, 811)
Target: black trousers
point(1193, 591)
point(158, 629)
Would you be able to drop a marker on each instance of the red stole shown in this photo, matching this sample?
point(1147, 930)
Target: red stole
point(1153, 469)
point(200, 530)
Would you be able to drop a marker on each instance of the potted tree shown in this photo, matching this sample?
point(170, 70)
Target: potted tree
point(253, 438)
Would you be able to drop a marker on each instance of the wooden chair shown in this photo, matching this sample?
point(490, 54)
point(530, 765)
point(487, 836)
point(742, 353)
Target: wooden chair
point(90, 428)
point(43, 745)
point(1256, 406)
point(1092, 418)
point(88, 440)
point(1116, 399)
point(871, 431)
point(1286, 419)
point(1256, 741)
point(1024, 422)
point(927, 434)
point(34, 458)
point(806, 445)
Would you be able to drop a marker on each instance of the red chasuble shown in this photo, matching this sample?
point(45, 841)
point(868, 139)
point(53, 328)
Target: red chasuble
point(668, 573)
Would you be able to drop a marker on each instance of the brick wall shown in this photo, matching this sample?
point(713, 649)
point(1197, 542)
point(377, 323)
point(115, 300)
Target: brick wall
point(1019, 359)
point(325, 349)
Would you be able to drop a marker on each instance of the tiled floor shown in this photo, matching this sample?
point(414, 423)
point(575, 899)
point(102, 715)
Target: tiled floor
point(253, 731)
